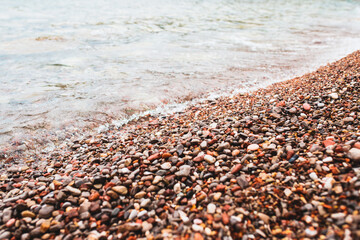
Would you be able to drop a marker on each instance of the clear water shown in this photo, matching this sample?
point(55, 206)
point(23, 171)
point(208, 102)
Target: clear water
point(72, 63)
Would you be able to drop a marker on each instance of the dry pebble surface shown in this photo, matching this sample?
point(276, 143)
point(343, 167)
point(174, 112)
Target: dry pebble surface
point(280, 162)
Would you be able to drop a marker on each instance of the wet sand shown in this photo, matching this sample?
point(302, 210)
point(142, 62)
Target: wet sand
point(280, 162)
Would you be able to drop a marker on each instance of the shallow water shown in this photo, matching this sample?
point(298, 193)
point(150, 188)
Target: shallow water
point(69, 64)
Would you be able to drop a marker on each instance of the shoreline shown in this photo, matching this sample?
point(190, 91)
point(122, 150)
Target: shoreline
point(282, 161)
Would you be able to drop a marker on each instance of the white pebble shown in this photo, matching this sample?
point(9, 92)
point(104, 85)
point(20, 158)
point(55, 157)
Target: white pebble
point(211, 208)
point(313, 176)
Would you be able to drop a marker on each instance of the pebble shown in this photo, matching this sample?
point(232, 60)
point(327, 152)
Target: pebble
point(46, 211)
point(133, 214)
point(313, 176)
point(140, 195)
point(328, 159)
point(145, 203)
point(166, 166)
point(264, 217)
point(253, 147)
point(354, 154)
point(211, 208)
point(334, 95)
point(184, 171)
point(217, 196)
point(120, 190)
point(311, 232)
point(6, 215)
point(73, 191)
point(306, 106)
point(203, 145)
point(10, 223)
point(287, 192)
point(157, 179)
point(27, 213)
point(197, 228)
point(177, 188)
point(5, 235)
point(209, 159)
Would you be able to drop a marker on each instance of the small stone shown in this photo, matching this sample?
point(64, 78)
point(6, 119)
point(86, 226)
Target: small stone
point(236, 168)
point(235, 152)
point(112, 194)
point(334, 95)
point(157, 179)
point(146, 226)
point(6, 235)
point(264, 217)
point(6, 214)
point(354, 154)
point(306, 106)
point(293, 110)
point(184, 171)
point(133, 214)
point(85, 215)
point(166, 166)
point(328, 142)
point(145, 203)
point(197, 228)
point(209, 159)
point(183, 217)
point(310, 232)
point(338, 216)
point(338, 189)
point(73, 191)
point(94, 196)
point(313, 176)
point(45, 211)
point(154, 157)
point(203, 145)
point(10, 223)
point(328, 183)
point(348, 120)
point(253, 147)
point(132, 227)
point(140, 195)
point(217, 196)
point(177, 188)
point(327, 159)
point(27, 213)
point(45, 226)
point(287, 192)
point(211, 208)
point(120, 190)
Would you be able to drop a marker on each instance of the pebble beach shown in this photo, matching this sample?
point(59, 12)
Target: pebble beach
point(281, 162)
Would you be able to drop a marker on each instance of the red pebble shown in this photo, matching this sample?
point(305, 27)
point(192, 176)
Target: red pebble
point(109, 185)
point(236, 169)
point(328, 142)
point(220, 188)
point(339, 149)
point(154, 157)
point(289, 154)
point(281, 104)
point(357, 145)
point(166, 155)
point(95, 196)
point(198, 158)
point(10, 223)
point(225, 218)
point(306, 106)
